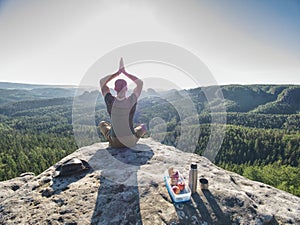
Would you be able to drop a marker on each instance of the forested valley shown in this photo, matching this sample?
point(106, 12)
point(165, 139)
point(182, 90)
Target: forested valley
point(261, 141)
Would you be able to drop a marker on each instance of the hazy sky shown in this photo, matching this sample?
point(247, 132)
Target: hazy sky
point(241, 42)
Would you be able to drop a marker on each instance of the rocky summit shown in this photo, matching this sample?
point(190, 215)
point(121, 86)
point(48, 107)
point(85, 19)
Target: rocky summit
point(126, 186)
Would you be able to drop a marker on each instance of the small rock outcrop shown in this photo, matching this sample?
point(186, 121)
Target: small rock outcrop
point(126, 186)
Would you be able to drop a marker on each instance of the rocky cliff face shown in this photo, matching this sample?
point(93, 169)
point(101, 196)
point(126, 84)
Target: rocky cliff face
point(126, 186)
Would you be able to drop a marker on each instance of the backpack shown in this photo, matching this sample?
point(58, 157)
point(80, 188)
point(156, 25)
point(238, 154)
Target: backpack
point(71, 167)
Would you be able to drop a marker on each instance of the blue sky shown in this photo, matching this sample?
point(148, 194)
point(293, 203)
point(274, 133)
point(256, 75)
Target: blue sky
point(273, 21)
point(241, 42)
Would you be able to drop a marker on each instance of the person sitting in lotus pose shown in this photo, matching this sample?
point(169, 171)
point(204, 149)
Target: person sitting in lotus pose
point(121, 109)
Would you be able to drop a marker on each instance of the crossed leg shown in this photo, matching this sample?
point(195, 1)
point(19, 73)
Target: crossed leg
point(139, 132)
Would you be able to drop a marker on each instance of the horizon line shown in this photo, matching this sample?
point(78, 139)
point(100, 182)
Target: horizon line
point(186, 88)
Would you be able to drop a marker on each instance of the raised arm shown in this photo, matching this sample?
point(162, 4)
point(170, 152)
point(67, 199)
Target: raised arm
point(106, 79)
point(139, 83)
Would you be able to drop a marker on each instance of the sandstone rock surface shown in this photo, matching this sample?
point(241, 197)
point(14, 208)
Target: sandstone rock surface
point(126, 186)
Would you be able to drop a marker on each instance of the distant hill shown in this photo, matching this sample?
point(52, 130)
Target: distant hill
point(16, 95)
point(9, 85)
point(287, 102)
point(15, 92)
point(266, 99)
point(262, 99)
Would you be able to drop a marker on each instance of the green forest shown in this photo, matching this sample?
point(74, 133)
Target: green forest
point(261, 141)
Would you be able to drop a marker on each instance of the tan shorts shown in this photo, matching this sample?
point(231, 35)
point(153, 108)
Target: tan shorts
point(121, 142)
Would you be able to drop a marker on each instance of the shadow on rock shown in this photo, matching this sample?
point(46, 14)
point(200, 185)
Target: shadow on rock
point(221, 218)
point(197, 212)
point(118, 194)
point(187, 213)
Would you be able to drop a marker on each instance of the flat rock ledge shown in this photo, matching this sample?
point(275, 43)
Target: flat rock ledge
point(126, 186)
